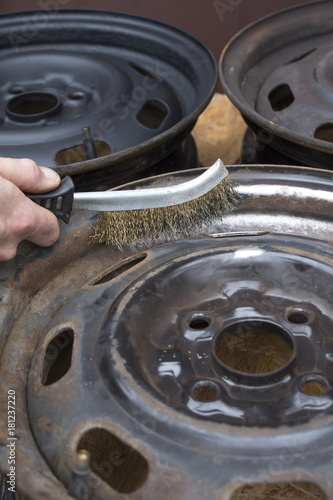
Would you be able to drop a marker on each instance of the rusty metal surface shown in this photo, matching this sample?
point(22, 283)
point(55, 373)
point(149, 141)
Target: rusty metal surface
point(277, 73)
point(136, 357)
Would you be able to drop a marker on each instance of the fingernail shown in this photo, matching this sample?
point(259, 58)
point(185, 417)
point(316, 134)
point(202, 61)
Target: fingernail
point(51, 175)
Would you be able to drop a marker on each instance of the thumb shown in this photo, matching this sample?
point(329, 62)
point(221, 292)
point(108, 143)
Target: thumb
point(27, 176)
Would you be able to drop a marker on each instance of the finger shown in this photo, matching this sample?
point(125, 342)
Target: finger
point(36, 224)
point(22, 219)
point(27, 176)
point(25, 220)
point(8, 248)
point(41, 228)
point(46, 228)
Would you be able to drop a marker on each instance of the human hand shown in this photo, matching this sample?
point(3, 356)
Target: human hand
point(21, 218)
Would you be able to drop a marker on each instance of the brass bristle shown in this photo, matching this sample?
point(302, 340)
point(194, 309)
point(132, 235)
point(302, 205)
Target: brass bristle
point(170, 223)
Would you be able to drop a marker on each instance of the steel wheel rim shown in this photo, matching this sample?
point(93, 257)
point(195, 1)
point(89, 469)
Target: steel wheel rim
point(113, 56)
point(315, 432)
point(268, 38)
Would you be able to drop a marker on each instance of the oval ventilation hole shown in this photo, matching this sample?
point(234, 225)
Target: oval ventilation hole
point(302, 56)
point(301, 268)
point(205, 391)
point(298, 316)
point(152, 114)
point(314, 386)
point(142, 71)
point(114, 461)
point(120, 269)
point(281, 97)
point(77, 154)
point(324, 132)
point(293, 490)
point(58, 357)
point(199, 322)
point(253, 348)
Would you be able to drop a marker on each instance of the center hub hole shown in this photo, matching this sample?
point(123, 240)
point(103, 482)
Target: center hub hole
point(32, 106)
point(254, 347)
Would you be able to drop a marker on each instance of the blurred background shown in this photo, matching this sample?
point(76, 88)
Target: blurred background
point(214, 22)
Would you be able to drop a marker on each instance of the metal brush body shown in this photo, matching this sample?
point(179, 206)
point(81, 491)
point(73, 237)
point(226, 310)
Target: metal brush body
point(128, 216)
point(116, 201)
point(62, 200)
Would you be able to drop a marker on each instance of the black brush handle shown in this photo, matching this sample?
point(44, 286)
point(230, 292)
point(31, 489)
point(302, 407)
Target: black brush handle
point(59, 201)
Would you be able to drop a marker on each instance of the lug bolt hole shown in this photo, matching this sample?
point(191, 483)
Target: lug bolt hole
point(298, 316)
point(199, 322)
point(76, 96)
point(205, 392)
point(314, 386)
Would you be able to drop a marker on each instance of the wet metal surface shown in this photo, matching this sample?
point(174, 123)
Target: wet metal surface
point(146, 325)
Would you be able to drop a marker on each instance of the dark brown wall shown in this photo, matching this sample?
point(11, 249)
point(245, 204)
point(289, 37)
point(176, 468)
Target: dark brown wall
point(212, 21)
